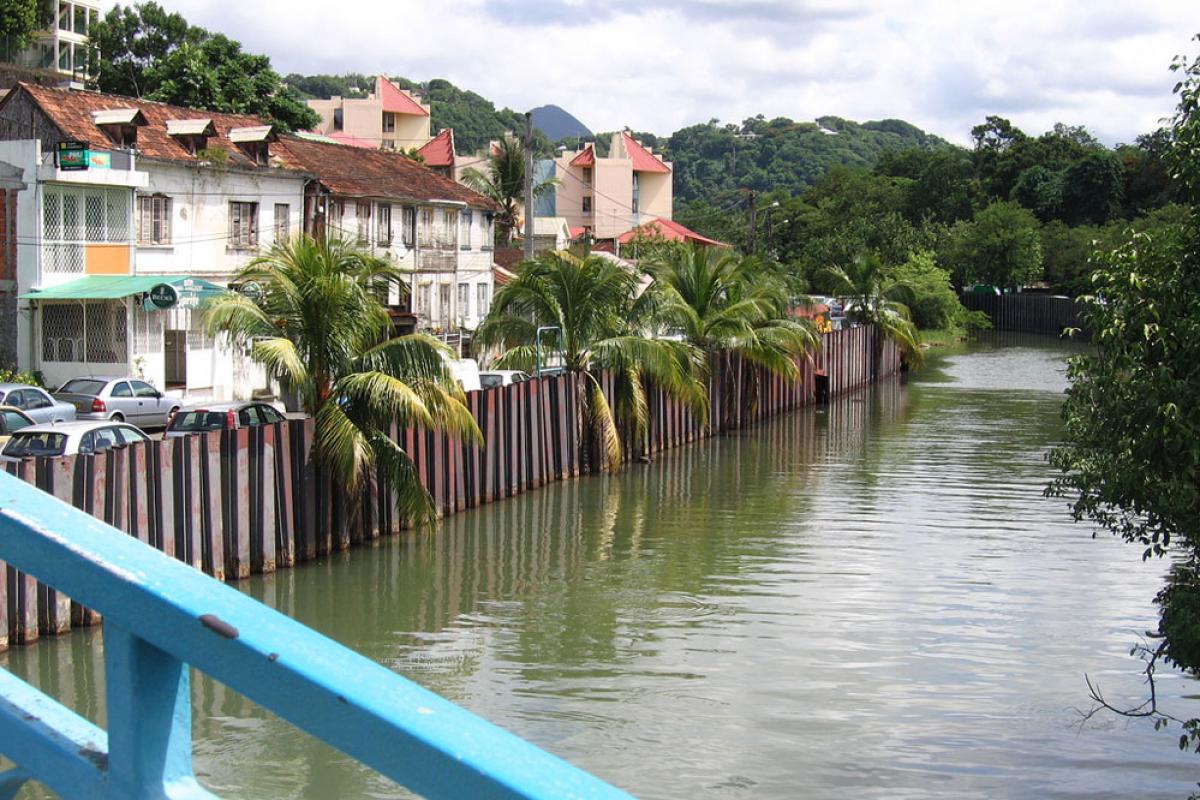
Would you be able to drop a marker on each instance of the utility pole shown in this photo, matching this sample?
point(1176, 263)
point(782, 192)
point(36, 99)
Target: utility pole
point(528, 185)
point(753, 239)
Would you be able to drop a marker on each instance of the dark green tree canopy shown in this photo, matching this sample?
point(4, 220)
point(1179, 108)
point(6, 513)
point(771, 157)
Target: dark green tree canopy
point(146, 51)
point(19, 19)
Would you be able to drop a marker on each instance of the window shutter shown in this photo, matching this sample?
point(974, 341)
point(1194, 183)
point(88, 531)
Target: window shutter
point(166, 219)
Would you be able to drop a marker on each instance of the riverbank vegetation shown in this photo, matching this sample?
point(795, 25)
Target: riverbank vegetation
point(594, 319)
point(314, 321)
point(1130, 463)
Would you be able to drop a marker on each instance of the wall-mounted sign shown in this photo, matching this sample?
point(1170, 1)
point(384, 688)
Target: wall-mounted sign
point(99, 159)
point(72, 156)
point(162, 295)
point(251, 290)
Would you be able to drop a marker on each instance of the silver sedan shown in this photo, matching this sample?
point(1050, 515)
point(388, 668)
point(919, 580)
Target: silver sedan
point(35, 402)
point(119, 399)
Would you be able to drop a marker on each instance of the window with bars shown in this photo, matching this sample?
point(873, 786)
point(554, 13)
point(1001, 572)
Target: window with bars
point(383, 223)
point(73, 216)
point(283, 213)
point(154, 219)
point(243, 225)
point(362, 213)
point(89, 332)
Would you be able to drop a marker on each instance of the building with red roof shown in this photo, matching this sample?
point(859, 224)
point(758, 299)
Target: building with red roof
point(608, 196)
point(135, 193)
point(390, 118)
point(669, 230)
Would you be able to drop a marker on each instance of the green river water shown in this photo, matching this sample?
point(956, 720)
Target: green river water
point(869, 600)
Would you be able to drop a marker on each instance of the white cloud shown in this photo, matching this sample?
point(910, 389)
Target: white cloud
point(661, 64)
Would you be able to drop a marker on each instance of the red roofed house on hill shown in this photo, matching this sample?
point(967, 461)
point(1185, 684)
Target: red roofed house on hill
point(390, 118)
point(108, 197)
point(609, 196)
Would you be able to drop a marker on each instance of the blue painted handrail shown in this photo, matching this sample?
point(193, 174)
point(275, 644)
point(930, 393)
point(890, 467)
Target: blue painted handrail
point(161, 615)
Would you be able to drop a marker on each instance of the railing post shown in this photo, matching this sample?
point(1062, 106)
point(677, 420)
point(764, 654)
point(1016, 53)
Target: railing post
point(149, 720)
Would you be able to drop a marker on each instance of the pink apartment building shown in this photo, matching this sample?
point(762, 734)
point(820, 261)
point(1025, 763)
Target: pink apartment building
point(609, 196)
point(390, 118)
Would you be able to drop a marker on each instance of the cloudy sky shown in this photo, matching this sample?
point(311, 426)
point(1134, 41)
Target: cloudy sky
point(659, 65)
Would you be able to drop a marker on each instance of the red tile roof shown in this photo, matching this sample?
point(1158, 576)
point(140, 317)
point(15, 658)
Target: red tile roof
point(70, 110)
point(670, 230)
point(396, 100)
point(439, 151)
point(643, 159)
point(586, 158)
point(507, 258)
point(356, 172)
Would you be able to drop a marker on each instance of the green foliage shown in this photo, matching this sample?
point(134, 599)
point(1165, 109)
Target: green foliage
point(1000, 246)
point(157, 55)
point(594, 303)
point(323, 87)
point(19, 20)
point(1130, 460)
point(875, 296)
point(779, 154)
point(933, 302)
point(17, 376)
point(320, 328)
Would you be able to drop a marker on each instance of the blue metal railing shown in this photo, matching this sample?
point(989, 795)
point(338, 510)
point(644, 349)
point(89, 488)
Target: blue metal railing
point(161, 615)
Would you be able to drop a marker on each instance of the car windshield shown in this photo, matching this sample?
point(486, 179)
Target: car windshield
point(199, 420)
point(82, 386)
point(45, 443)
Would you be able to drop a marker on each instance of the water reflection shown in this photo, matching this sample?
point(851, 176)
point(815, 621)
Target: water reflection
point(869, 599)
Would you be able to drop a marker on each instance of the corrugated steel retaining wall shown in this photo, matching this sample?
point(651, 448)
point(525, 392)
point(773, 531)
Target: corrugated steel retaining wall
point(1027, 313)
point(235, 503)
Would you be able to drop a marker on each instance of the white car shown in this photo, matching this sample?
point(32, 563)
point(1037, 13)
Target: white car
point(501, 377)
point(71, 438)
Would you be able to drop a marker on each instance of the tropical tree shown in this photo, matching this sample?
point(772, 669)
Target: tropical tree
point(504, 184)
point(875, 296)
point(726, 305)
point(593, 302)
point(317, 324)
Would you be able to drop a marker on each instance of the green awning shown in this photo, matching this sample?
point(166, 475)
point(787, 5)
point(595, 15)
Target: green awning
point(115, 287)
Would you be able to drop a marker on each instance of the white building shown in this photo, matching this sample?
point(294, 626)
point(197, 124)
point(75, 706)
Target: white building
point(169, 196)
point(439, 230)
point(63, 47)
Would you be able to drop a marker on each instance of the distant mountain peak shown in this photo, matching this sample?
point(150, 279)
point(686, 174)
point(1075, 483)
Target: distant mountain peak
point(556, 123)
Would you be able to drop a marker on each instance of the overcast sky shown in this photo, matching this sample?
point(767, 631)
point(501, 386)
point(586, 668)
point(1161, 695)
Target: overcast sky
point(659, 65)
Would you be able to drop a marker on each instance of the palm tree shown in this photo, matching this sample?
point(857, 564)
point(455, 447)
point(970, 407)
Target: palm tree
point(726, 304)
point(594, 304)
point(318, 325)
point(504, 184)
point(875, 297)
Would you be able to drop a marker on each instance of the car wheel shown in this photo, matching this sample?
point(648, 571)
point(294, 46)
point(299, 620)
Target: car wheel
point(117, 417)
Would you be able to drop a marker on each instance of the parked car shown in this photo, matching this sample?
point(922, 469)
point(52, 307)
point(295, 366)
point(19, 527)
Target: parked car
point(35, 402)
point(12, 420)
point(119, 399)
point(70, 438)
point(501, 377)
point(221, 416)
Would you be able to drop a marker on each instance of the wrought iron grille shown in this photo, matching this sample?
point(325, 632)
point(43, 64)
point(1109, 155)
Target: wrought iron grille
point(105, 332)
point(62, 332)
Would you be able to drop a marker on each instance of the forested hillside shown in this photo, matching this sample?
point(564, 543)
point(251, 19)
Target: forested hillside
point(780, 154)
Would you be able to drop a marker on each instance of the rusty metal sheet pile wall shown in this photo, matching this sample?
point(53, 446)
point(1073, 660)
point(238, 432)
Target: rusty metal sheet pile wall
point(236, 503)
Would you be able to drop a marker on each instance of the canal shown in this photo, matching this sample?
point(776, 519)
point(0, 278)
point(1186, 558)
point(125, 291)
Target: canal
point(868, 600)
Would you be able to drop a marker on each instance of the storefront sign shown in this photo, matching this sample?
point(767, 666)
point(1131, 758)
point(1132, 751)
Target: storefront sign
point(72, 156)
point(162, 295)
point(99, 159)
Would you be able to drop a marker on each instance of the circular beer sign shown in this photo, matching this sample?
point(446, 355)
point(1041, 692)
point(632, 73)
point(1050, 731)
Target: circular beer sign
point(163, 295)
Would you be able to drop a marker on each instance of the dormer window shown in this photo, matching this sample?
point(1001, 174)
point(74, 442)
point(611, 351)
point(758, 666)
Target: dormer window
point(254, 142)
point(120, 125)
point(192, 134)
